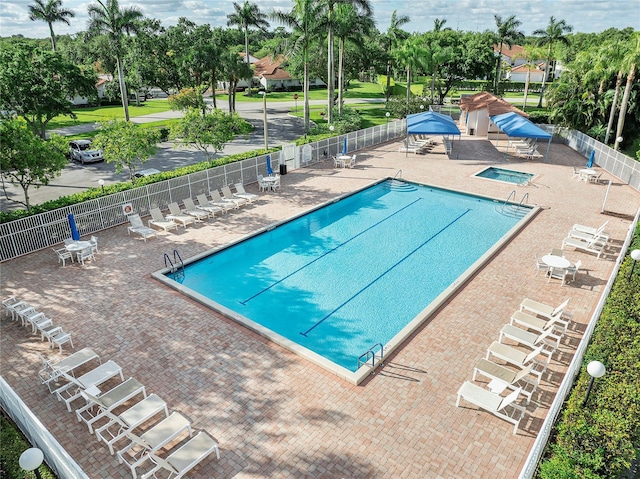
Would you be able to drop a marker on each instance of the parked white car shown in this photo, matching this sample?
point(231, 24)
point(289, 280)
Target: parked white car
point(80, 150)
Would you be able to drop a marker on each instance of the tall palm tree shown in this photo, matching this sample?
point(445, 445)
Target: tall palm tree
point(107, 18)
point(394, 33)
point(412, 55)
point(438, 24)
point(303, 19)
point(365, 5)
point(245, 16)
point(630, 62)
point(554, 33)
point(508, 34)
point(50, 12)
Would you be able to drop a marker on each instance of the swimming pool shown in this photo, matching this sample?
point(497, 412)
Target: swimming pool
point(506, 176)
point(363, 269)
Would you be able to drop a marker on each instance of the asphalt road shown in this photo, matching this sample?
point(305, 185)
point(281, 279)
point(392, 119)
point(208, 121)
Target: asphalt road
point(282, 128)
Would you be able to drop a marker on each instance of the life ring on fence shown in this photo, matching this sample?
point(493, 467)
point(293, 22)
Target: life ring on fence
point(127, 209)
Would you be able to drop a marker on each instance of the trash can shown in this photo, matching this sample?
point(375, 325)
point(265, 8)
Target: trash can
point(283, 169)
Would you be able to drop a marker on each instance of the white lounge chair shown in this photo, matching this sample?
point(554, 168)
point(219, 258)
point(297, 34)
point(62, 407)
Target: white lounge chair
point(14, 308)
point(521, 358)
point(175, 214)
point(9, 303)
point(228, 196)
point(137, 227)
point(545, 310)
point(539, 325)
point(191, 210)
point(504, 408)
point(218, 200)
point(38, 321)
point(52, 371)
point(504, 378)
point(590, 230)
point(599, 236)
point(97, 407)
point(241, 193)
point(140, 447)
point(593, 246)
point(531, 340)
point(71, 391)
point(181, 461)
point(128, 420)
point(209, 208)
point(160, 221)
point(63, 255)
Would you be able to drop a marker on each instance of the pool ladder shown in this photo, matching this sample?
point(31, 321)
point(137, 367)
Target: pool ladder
point(369, 357)
point(174, 266)
point(515, 210)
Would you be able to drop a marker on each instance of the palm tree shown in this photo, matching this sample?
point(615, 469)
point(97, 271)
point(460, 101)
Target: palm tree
point(303, 19)
point(107, 18)
point(50, 12)
point(412, 54)
point(508, 34)
point(630, 62)
point(394, 33)
point(554, 33)
point(245, 16)
point(350, 25)
point(438, 23)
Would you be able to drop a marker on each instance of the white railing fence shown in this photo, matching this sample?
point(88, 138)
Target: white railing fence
point(33, 233)
point(542, 438)
point(54, 454)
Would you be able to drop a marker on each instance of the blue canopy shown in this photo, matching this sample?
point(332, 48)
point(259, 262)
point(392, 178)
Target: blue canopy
point(431, 123)
point(515, 125)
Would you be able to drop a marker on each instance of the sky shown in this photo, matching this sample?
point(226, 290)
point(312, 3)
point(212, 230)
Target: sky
point(588, 16)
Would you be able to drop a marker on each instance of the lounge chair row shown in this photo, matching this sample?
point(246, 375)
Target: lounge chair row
point(537, 329)
point(586, 238)
point(191, 213)
point(137, 427)
point(29, 316)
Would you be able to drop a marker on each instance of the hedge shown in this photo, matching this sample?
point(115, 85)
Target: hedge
point(601, 439)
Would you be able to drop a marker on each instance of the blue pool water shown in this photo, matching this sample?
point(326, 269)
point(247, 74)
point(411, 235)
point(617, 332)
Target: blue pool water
point(355, 272)
point(508, 176)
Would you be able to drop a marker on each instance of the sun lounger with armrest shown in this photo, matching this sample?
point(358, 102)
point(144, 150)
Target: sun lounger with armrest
point(218, 200)
point(504, 408)
point(545, 310)
point(228, 196)
point(192, 210)
point(508, 378)
point(188, 456)
point(176, 215)
point(242, 193)
point(72, 390)
point(137, 227)
point(539, 324)
point(520, 358)
point(51, 371)
point(593, 246)
point(205, 205)
point(531, 340)
point(160, 221)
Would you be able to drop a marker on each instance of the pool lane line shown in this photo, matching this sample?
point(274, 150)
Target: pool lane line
point(327, 252)
point(380, 276)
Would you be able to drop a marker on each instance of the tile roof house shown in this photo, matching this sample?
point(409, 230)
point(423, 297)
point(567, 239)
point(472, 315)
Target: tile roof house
point(477, 110)
point(512, 56)
point(519, 73)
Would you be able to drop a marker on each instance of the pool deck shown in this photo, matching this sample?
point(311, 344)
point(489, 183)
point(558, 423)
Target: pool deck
point(275, 414)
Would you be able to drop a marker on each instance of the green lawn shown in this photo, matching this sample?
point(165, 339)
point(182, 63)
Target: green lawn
point(106, 113)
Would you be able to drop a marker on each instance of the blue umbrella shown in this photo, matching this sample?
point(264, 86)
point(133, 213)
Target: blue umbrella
point(344, 146)
point(591, 158)
point(269, 170)
point(75, 234)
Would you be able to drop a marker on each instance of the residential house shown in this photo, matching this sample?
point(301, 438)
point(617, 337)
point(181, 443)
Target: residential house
point(477, 110)
point(519, 73)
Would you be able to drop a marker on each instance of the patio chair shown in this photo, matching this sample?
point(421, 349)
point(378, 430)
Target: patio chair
point(63, 255)
point(70, 391)
point(541, 265)
point(138, 228)
point(191, 210)
point(38, 321)
point(188, 456)
point(576, 173)
point(218, 200)
point(241, 193)
point(228, 196)
point(594, 178)
point(60, 338)
point(573, 269)
point(592, 246)
point(539, 325)
point(263, 184)
point(175, 214)
point(97, 407)
point(557, 252)
point(520, 358)
point(504, 378)
point(24, 313)
point(52, 371)
point(14, 308)
point(504, 408)
point(119, 425)
point(160, 221)
point(528, 339)
point(205, 205)
point(94, 244)
point(557, 273)
point(545, 310)
point(590, 230)
point(140, 447)
point(85, 254)
point(8, 303)
point(276, 184)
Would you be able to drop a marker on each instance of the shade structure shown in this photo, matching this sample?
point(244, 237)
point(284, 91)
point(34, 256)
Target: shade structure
point(592, 157)
point(517, 126)
point(269, 170)
point(344, 146)
point(431, 123)
point(75, 234)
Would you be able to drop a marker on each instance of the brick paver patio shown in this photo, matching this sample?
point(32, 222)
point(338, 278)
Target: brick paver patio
point(276, 415)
